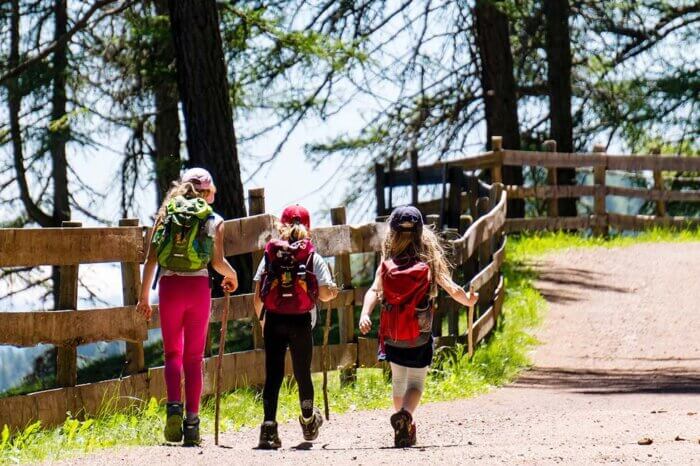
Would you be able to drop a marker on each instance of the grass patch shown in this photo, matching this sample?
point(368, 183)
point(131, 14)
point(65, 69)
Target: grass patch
point(453, 375)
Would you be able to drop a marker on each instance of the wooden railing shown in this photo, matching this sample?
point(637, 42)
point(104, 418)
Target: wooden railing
point(477, 248)
point(460, 189)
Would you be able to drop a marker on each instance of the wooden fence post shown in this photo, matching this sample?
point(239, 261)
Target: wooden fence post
point(131, 286)
point(497, 169)
point(601, 225)
point(67, 356)
point(451, 309)
point(379, 188)
point(454, 204)
point(659, 187)
point(346, 318)
point(256, 206)
point(552, 203)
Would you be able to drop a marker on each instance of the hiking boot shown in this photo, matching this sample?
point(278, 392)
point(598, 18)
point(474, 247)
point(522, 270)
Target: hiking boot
point(173, 422)
point(190, 432)
point(402, 422)
point(412, 435)
point(310, 427)
point(269, 439)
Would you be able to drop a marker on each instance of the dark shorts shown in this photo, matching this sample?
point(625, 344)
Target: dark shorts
point(417, 357)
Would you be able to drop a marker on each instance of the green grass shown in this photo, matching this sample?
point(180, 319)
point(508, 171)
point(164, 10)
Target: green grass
point(495, 362)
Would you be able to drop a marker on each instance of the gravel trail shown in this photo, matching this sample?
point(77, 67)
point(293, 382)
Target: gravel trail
point(619, 361)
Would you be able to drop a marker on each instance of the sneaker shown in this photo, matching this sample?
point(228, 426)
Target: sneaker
point(190, 432)
point(402, 422)
point(173, 422)
point(310, 427)
point(269, 439)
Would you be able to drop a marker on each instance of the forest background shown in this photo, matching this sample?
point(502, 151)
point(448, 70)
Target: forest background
point(102, 103)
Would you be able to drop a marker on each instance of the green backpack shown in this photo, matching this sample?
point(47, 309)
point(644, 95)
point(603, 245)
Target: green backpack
point(181, 239)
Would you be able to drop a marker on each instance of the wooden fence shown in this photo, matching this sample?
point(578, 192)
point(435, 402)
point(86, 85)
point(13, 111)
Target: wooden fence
point(465, 189)
point(477, 247)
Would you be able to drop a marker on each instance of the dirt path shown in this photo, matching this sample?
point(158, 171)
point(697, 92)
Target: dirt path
point(620, 360)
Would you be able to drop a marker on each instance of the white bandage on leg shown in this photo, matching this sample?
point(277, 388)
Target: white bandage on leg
point(405, 378)
point(398, 379)
point(415, 378)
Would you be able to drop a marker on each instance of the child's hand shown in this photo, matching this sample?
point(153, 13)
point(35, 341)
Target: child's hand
point(230, 283)
point(144, 308)
point(365, 324)
point(473, 298)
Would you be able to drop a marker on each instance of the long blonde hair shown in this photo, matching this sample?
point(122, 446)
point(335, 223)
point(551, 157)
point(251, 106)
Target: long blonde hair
point(179, 188)
point(427, 247)
point(292, 231)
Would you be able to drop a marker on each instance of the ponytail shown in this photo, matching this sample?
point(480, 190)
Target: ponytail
point(292, 232)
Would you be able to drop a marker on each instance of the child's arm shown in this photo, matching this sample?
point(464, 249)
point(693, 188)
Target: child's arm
point(327, 289)
point(220, 264)
point(457, 293)
point(149, 270)
point(369, 303)
point(257, 302)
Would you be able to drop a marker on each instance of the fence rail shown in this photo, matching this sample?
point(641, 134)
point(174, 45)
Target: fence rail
point(478, 252)
point(461, 197)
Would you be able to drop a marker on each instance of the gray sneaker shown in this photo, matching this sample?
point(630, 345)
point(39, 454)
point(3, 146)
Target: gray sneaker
point(310, 427)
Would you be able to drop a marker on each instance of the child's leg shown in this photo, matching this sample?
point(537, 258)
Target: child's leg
point(275, 351)
point(398, 384)
point(301, 345)
point(196, 323)
point(415, 382)
point(172, 309)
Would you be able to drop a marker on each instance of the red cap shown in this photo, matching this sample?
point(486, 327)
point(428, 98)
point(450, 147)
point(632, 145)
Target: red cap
point(296, 214)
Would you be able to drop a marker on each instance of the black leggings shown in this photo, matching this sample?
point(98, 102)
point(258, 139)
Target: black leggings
point(293, 331)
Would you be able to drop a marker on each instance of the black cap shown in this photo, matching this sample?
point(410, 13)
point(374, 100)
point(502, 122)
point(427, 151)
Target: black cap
point(406, 214)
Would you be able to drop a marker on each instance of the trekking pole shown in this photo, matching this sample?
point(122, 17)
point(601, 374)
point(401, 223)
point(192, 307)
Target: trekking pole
point(470, 326)
point(324, 360)
point(222, 344)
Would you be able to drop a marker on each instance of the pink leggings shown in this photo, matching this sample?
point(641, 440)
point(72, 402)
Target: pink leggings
point(184, 304)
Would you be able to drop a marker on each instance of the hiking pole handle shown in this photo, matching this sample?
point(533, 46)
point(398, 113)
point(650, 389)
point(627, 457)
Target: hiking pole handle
point(222, 345)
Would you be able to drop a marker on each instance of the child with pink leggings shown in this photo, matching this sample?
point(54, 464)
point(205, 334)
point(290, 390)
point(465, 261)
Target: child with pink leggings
point(184, 292)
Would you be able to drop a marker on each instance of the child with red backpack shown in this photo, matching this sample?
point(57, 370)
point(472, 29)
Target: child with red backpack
point(187, 235)
point(289, 280)
point(413, 266)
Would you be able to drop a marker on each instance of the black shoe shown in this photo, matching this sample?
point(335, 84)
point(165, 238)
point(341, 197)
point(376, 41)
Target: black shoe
point(190, 430)
point(173, 422)
point(310, 427)
point(269, 440)
point(402, 422)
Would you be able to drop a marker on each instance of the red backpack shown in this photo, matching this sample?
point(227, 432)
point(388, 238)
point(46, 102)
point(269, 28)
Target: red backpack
point(406, 317)
point(289, 285)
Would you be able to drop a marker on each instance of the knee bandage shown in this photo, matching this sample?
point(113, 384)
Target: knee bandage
point(407, 378)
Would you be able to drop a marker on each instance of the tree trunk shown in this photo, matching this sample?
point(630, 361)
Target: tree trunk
point(58, 136)
point(498, 87)
point(166, 156)
point(558, 43)
point(14, 102)
point(204, 94)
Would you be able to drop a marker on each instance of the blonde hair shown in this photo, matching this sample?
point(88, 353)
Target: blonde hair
point(179, 188)
point(292, 232)
point(427, 247)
